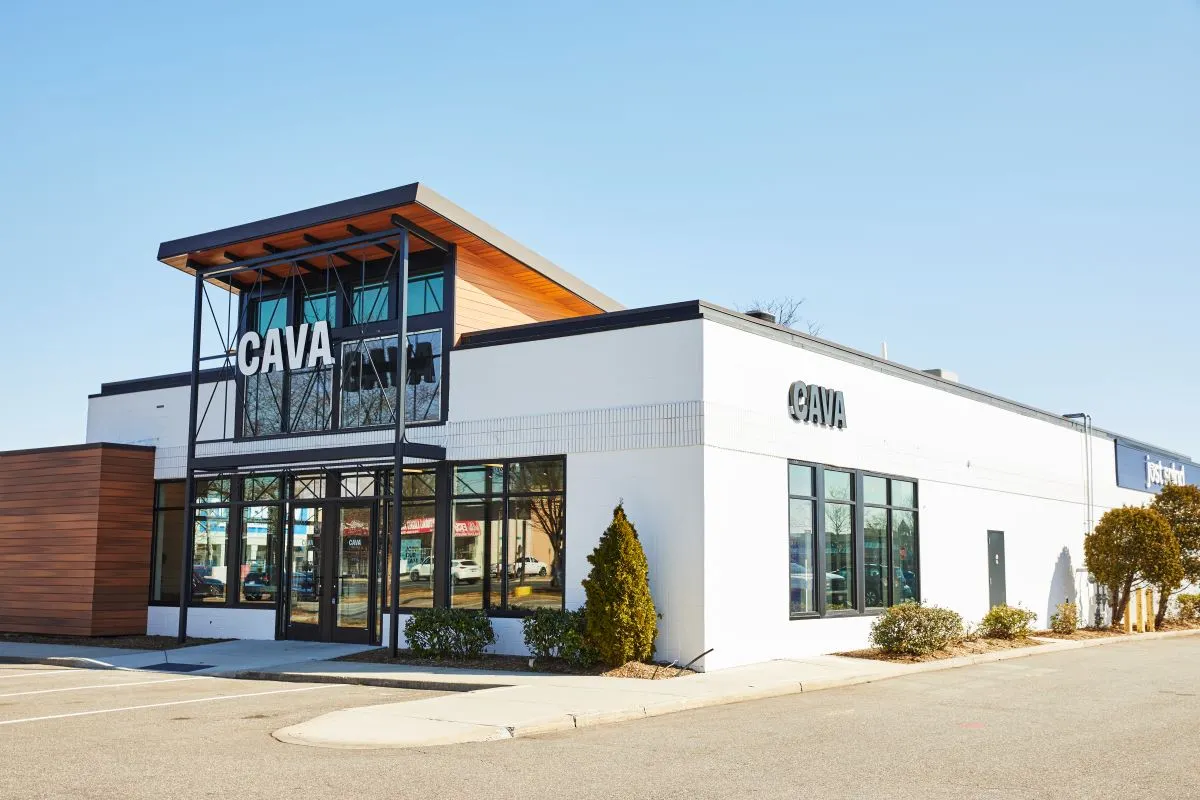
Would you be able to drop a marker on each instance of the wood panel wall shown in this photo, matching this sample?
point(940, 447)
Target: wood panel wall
point(489, 295)
point(75, 529)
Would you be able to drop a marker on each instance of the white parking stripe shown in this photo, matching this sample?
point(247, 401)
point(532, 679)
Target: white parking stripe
point(172, 703)
point(100, 686)
point(36, 673)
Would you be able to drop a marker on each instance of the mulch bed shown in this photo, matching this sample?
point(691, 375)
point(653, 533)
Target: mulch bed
point(634, 669)
point(1083, 633)
point(968, 648)
point(123, 642)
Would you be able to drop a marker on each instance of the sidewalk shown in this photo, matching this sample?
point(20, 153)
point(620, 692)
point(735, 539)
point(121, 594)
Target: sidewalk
point(504, 705)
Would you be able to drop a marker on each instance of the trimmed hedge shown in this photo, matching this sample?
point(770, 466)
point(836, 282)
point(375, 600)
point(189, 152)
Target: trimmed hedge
point(620, 620)
point(448, 633)
point(1006, 622)
point(554, 633)
point(914, 630)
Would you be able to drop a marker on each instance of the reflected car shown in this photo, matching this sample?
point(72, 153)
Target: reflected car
point(258, 586)
point(465, 570)
point(422, 570)
point(873, 573)
point(303, 586)
point(801, 579)
point(207, 586)
point(528, 566)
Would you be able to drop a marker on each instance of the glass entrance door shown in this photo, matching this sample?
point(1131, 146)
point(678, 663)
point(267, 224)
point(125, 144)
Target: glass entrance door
point(351, 564)
point(306, 566)
point(330, 572)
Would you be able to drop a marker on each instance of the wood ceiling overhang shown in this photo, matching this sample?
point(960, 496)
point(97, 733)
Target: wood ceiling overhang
point(419, 207)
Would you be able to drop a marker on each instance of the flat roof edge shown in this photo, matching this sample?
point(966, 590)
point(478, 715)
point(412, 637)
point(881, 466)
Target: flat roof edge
point(66, 448)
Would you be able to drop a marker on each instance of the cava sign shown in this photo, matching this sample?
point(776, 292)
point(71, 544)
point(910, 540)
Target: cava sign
point(294, 347)
point(817, 405)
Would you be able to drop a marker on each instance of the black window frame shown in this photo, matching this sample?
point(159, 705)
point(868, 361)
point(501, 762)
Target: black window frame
point(859, 506)
point(421, 264)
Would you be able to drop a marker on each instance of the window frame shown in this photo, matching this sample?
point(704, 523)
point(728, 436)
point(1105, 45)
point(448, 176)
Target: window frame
point(858, 505)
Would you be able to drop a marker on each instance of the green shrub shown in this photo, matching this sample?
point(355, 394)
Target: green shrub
point(1189, 607)
point(1006, 622)
point(550, 633)
point(620, 622)
point(1065, 618)
point(913, 629)
point(448, 633)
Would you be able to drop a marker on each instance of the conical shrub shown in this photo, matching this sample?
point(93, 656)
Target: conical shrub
point(621, 622)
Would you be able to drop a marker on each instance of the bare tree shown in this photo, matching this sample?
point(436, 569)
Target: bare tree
point(786, 310)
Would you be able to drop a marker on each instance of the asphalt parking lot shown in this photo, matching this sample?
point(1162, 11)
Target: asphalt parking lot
point(1116, 721)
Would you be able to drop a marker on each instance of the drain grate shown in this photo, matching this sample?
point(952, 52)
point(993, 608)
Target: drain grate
point(169, 667)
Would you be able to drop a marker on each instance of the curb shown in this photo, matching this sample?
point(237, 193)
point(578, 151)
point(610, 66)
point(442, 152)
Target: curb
point(359, 680)
point(61, 661)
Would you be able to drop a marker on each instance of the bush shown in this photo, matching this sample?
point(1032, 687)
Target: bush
point(913, 629)
point(550, 632)
point(1189, 607)
point(448, 633)
point(1065, 618)
point(620, 622)
point(1006, 622)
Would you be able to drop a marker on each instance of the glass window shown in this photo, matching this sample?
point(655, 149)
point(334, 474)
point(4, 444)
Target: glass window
point(358, 484)
point(481, 479)
point(476, 525)
point(800, 480)
point(416, 554)
point(839, 556)
point(875, 556)
point(310, 392)
point(838, 485)
point(417, 483)
point(423, 394)
point(261, 488)
point(309, 487)
point(535, 546)
point(271, 312)
point(875, 490)
point(904, 494)
point(209, 556)
point(259, 567)
point(535, 476)
point(425, 294)
point(212, 490)
point(168, 542)
point(801, 546)
point(368, 382)
point(320, 307)
point(906, 584)
point(368, 303)
point(264, 403)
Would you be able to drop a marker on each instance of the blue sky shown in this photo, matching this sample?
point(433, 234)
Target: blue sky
point(1008, 190)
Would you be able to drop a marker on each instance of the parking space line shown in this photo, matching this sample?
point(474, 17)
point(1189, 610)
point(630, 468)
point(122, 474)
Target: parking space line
point(36, 673)
point(101, 686)
point(170, 703)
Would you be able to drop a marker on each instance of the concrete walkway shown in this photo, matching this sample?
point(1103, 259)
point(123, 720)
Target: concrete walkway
point(207, 659)
point(504, 705)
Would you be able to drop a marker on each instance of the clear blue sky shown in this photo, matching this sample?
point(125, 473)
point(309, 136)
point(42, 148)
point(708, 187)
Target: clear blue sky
point(1009, 190)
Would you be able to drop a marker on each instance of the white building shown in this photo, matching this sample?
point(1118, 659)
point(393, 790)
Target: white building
point(785, 488)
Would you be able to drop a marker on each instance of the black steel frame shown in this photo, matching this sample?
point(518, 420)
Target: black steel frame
point(205, 274)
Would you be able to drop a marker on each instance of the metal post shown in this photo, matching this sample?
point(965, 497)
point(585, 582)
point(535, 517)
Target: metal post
point(401, 382)
point(189, 495)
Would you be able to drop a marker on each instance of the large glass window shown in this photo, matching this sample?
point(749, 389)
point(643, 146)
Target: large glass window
point(259, 568)
point(368, 380)
point(210, 572)
point(425, 294)
point(416, 540)
point(824, 508)
point(320, 307)
point(510, 520)
point(368, 303)
point(167, 547)
point(271, 312)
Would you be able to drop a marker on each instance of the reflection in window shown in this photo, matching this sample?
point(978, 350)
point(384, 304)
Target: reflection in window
point(535, 549)
point(209, 570)
point(259, 568)
point(839, 556)
point(168, 542)
point(320, 307)
point(368, 380)
point(801, 546)
point(476, 523)
point(264, 403)
point(368, 303)
point(270, 313)
point(875, 556)
point(310, 392)
point(904, 557)
point(425, 294)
